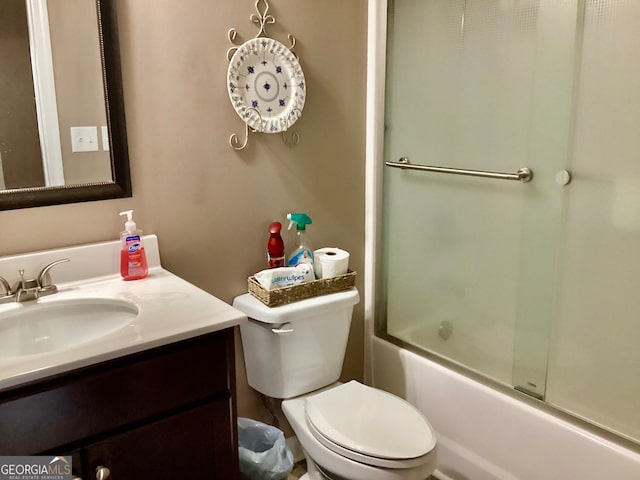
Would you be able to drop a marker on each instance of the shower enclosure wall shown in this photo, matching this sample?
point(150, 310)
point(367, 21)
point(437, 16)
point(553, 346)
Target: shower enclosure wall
point(533, 285)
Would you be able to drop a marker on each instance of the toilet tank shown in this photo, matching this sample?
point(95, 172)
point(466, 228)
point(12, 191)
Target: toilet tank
point(297, 348)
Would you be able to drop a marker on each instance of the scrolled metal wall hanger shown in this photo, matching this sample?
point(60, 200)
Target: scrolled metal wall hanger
point(265, 82)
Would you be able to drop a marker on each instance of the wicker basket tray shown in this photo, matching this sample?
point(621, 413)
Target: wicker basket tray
point(285, 295)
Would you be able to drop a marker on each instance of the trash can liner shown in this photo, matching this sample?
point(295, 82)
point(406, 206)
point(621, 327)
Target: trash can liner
point(263, 451)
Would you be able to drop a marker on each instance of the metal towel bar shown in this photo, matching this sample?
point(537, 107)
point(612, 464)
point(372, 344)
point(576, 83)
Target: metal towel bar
point(523, 175)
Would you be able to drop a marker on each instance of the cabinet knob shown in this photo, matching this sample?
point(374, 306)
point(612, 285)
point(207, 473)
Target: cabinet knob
point(102, 473)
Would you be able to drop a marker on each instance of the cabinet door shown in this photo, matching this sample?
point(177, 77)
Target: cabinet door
point(196, 444)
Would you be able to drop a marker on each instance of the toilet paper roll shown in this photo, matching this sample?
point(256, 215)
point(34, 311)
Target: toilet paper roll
point(330, 262)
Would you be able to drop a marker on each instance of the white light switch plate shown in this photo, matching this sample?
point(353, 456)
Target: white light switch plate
point(105, 139)
point(84, 139)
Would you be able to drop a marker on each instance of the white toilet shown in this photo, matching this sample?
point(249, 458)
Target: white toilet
point(348, 431)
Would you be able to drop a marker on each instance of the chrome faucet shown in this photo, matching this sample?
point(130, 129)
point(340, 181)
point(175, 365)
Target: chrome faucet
point(32, 288)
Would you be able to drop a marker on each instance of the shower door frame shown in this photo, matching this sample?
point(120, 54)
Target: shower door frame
point(374, 155)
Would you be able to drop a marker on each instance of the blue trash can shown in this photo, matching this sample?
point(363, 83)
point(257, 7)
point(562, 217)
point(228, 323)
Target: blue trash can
point(263, 451)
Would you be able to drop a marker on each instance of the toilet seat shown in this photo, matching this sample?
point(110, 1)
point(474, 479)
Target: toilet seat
point(369, 426)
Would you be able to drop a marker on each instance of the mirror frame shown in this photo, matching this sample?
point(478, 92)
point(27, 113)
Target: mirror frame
point(118, 146)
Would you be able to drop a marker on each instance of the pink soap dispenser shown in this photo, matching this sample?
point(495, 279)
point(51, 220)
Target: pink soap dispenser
point(133, 259)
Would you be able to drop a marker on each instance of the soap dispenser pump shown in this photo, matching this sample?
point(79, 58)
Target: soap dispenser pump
point(133, 259)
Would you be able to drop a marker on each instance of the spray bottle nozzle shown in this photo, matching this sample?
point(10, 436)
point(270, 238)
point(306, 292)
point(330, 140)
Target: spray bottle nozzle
point(130, 225)
point(300, 219)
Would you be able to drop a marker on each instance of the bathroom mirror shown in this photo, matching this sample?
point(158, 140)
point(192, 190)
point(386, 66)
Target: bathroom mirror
point(78, 155)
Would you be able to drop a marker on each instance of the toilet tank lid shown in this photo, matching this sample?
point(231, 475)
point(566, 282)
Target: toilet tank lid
point(254, 308)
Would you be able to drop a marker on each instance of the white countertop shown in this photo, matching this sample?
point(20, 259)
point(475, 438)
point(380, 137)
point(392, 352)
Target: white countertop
point(170, 308)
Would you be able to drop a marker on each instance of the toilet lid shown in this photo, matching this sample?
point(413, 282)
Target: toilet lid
point(370, 422)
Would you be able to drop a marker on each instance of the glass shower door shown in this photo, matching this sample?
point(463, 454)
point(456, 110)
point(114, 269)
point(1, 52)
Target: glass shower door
point(534, 285)
point(469, 262)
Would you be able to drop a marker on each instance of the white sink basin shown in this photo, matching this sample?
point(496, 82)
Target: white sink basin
point(31, 328)
point(96, 316)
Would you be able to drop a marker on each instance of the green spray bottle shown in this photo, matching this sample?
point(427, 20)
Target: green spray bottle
point(304, 251)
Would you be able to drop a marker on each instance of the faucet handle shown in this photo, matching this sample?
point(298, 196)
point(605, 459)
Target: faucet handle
point(6, 287)
point(44, 279)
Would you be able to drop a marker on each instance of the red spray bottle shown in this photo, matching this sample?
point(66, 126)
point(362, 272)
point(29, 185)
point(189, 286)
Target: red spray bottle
point(275, 246)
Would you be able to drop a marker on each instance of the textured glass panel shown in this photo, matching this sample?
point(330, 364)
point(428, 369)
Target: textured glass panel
point(462, 80)
point(594, 366)
point(533, 285)
point(548, 144)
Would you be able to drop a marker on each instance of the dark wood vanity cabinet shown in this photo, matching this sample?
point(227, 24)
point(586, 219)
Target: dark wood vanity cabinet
point(165, 413)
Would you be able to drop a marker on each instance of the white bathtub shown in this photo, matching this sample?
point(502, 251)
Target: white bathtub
point(484, 434)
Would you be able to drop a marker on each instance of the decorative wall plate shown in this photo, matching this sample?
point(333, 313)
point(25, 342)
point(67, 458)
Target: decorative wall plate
point(266, 85)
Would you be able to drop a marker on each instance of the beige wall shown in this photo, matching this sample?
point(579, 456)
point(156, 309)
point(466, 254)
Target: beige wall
point(210, 205)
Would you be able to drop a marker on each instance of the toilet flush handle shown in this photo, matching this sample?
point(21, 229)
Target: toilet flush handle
point(284, 329)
